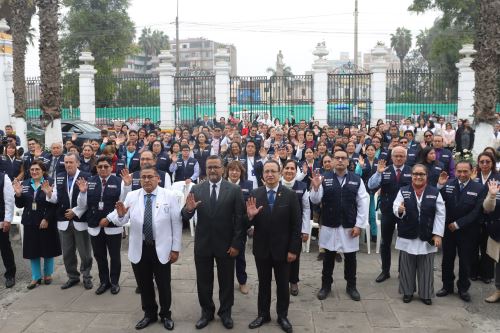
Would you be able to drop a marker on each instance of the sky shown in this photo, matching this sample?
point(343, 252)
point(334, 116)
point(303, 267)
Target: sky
point(260, 28)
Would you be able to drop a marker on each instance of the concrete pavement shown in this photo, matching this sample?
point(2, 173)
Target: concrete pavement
point(50, 309)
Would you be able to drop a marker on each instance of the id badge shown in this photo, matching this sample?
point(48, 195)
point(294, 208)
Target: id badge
point(253, 172)
point(101, 205)
point(33, 206)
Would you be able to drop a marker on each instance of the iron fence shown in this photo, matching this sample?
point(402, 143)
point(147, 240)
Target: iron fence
point(70, 98)
point(194, 98)
point(282, 97)
point(120, 97)
point(349, 96)
point(411, 92)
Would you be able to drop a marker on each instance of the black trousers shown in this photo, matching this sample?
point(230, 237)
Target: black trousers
point(241, 266)
point(102, 244)
point(7, 255)
point(145, 270)
point(350, 264)
point(205, 284)
point(460, 241)
point(481, 263)
point(294, 270)
point(265, 269)
point(388, 224)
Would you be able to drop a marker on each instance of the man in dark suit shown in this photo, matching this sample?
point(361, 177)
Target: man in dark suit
point(219, 231)
point(277, 242)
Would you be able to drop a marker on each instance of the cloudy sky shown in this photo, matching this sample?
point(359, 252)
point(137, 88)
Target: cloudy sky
point(260, 28)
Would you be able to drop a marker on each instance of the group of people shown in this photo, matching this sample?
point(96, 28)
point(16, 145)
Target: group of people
point(258, 179)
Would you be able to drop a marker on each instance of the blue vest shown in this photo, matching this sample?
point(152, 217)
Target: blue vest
point(434, 171)
point(415, 225)
point(459, 204)
point(339, 202)
point(445, 158)
point(11, 168)
point(246, 187)
point(63, 200)
point(110, 196)
point(368, 171)
point(162, 162)
point(389, 187)
point(183, 173)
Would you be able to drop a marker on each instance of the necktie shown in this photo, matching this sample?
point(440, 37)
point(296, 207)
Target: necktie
point(53, 167)
point(461, 187)
point(398, 174)
point(213, 196)
point(103, 181)
point(147, 227)
point(270, 198)
point(70, 182)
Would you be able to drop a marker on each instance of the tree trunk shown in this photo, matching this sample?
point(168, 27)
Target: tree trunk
point(22, 11)
point(50, 69)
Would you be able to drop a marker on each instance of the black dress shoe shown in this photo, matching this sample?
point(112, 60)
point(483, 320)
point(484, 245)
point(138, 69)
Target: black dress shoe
point(258, 322)
point(203, 322)
point(285, 324)
point(227, 322)
point(427, 301)
point(474, 278)
point(144, 322)
point(321, 255)
point(87, 284)
point(115, 289)
point(443, 292)
point(464, 295)
point(10, 282)
point(168, 323)
point(323, 293)
point(382, 277)
point(486, 280)
point(35, 284)
point(102, 288)
point(353, 292)
point(294, 289)
point(407, 298)
point(137, 290)
point(69, 284)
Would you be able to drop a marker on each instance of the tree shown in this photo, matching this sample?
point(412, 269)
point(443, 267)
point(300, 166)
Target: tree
point(50, 69)
point(152, 42)
point(22, 11)
point(461, 13)
point(287, 71)
point(424, 44)
point(401, 43)
point(102, 27)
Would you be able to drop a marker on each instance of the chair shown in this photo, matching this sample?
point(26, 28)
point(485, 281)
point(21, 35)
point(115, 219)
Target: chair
point(306, 245)
point(18, 213)
point(378, 218)
point(366, 232)
point(182, 190)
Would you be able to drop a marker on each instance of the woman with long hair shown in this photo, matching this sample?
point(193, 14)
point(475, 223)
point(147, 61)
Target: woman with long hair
point(41, 239)
point(464, 136)
point(427, 157)
point(366, 167)
point(88, 159)
point(12, 163)
point(449, 136)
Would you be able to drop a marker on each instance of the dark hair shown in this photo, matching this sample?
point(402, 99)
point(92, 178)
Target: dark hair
point(291, 161)
point(340, 150)
point(149, 151)
point(131, 131)
point(42, 166)
point(236, 165)
point(184, 146)
point(273, 162)
point(326, 155)
point(419, 165)
point(215, 157)
point(465, 162)
point(149, 167)
point(491, 157)
point(152, 143)
point(408, 131)
point(422, 156)
point(104, 158)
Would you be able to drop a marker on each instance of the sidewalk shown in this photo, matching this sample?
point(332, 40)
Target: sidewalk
point(50, 309)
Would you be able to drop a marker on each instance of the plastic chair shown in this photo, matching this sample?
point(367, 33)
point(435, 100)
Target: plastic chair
point(306, 245)
point(18, 213)
point(182, 190)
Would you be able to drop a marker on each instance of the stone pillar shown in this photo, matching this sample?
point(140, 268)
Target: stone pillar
point(167, 90)
point(320, 87)
point(86, 73)
point(6, 94)
point(378, 85)
point(466, 83)
point(222, 85)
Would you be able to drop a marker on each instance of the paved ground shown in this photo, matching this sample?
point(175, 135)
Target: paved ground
point(50, 309)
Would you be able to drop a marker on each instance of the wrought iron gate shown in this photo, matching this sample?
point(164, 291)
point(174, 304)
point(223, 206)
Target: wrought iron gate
point(194, 98)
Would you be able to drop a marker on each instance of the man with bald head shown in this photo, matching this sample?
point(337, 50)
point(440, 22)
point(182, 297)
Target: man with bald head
point(389, 180)
point(55, 160)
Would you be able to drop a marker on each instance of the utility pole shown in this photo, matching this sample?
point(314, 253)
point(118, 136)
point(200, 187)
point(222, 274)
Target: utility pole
point(177, 40)
point(355, 32)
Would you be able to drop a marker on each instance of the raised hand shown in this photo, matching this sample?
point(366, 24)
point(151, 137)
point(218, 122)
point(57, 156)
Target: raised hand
point(74, 136)
point(263, 152)
point(47, 188)
point(37, 152)
point(18, 187)
point(493, 187)
point(316, 180)
point(82, 185)
point(174, 158)
point(381, 166)
point(126, 177)
point(252, 209)
point(473, 174)
point(443, 178)
point(401, 208)
point(191, 203)
point(361, 161)
point(121, 209)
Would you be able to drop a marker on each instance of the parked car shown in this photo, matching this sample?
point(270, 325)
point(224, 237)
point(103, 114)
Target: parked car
point(86, 131)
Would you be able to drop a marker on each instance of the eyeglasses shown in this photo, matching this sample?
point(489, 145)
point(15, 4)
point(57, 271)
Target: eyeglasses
point(428, 135)
point(419, 174)
point(148, 177)
point(103, 167)
point(485, 162)
point(403, 142)
point(340, 158)
point(213, 167)
point(271, 171)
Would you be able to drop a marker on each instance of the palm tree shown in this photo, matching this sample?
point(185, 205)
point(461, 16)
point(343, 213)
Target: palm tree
point(152, 42)
point(401, 43)
point(50, 69)
point(287, 71)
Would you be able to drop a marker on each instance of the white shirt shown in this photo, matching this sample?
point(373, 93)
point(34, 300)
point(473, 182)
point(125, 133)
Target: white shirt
point(340, 239)
point(250, 171)
point(9, 200)
point(78, 211)
point(417, 246)
point(306, 207)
